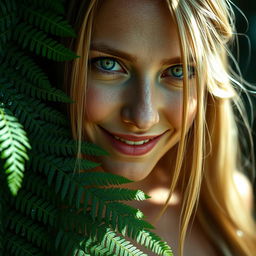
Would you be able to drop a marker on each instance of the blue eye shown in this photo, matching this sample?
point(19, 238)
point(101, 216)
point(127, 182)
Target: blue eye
point(176, 72)
point(107, 64)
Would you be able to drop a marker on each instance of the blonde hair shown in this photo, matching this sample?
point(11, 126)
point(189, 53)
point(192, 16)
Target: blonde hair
point(209, 27)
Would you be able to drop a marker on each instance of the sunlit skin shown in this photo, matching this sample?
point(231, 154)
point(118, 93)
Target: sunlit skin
point(135, 88)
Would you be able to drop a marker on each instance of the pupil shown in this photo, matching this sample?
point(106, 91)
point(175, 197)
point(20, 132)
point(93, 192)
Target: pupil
point(177, 71)
point(107, 64)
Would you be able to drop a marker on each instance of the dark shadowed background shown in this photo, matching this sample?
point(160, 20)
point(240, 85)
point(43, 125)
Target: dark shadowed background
point(247, 50)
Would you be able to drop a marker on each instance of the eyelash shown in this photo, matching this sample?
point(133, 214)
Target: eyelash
point(191, 72)
point(93, 62)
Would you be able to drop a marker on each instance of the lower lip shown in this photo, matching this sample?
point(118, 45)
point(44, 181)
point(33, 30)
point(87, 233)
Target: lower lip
point(132, 150)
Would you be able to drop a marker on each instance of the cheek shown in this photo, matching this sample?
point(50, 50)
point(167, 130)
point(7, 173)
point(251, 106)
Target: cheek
point(174, 109)
point(100, 103)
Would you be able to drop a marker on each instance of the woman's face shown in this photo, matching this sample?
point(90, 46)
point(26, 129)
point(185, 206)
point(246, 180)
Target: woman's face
point(135, 86)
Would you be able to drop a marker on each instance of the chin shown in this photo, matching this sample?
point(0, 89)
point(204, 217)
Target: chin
point(135, 171)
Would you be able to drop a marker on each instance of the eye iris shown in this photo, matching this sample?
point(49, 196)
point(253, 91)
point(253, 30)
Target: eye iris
point(107, 64)
point(177, 71)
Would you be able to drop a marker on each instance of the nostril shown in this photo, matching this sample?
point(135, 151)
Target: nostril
point(126, 115)
point(141, 117)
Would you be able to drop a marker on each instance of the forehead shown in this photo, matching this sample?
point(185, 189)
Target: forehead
point(141, 25)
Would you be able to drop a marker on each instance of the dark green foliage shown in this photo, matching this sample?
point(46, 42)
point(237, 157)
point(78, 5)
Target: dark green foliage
point(54, 5)
point(26, 67)
point(7, 11)
point(37, 41)
point(66, 146)
point(39, 209)
point(123, 209)
point(51, 201)
point(8, 19)
point(118, 194)
point(28, 78)
point(34, 232)
point(47, 21)
point(15, 245)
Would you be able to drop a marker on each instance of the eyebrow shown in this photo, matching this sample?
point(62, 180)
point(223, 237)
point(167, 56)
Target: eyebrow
point(130, 57)
point(115, 52)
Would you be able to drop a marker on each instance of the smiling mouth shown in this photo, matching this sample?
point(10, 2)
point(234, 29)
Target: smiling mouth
point(130, 144)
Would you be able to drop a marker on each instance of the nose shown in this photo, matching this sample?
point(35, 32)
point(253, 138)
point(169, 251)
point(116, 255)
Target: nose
point(141, 109)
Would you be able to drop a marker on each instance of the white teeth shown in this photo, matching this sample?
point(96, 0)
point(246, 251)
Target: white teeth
point(129, 142)
point(140, 142)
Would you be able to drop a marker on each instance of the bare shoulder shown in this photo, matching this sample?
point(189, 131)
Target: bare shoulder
point(244, 188)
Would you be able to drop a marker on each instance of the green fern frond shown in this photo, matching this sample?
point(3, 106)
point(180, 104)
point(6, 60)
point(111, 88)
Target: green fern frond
point(152, 242)
point(26, 113)
point(111, 194)
point(126, 224)
point(66, 184)
point(97, 198)
point(5, 36)
point(47, 21)
point(122, 210)
point(63, 171)
point(7, 6)
point(138, 230)
point(69, 243)
point(20, 108)
point(45, 163)
point(65, 146)
point(91, 149)
point(37, 208)
point(3, 213)
point(54, 5)
point(71, 185)
point(100, 236)
point(101, 179)
point(97, 202)
point(46, 113)
point(134, 228)
point(29, 87)
point(39, 42)
point(7, 14)
point(49, 129)
point(100, 250)
point(26, 65)
point(50, 94)
point(13, 148)
point(17, 246)
point(118, 245)
point(33, 109)
point(34, 233)
point(69, 164)
point(8, 19)
point(38, 185)
point(105, 237)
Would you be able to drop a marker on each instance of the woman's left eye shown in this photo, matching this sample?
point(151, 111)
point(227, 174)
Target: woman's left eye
point(176, 72)
point(107, 65)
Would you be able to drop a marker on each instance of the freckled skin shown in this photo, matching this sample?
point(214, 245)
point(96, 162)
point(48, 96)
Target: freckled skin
point(137, 100)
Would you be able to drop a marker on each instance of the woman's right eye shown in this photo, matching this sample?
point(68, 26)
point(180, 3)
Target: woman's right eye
point(107, 65)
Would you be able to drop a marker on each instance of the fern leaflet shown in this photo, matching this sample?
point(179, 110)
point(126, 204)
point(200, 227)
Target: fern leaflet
point(13, 145)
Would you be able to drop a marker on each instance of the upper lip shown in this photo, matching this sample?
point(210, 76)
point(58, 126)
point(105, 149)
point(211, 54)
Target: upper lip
point(133, 137)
